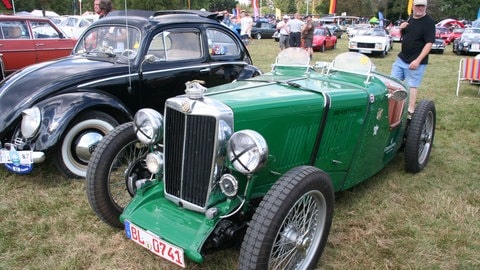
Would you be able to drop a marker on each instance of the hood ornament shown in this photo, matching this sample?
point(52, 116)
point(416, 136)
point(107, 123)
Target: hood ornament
point(194, 89)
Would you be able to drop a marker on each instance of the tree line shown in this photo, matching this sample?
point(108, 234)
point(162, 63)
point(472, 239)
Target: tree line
point(391, 9)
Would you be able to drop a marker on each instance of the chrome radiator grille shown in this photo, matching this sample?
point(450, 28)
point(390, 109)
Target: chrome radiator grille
point(189, 145)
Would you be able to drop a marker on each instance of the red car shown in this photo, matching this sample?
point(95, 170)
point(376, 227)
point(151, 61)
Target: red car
point(442, 32)
point(26, 40)
point(395, 33)
point(323, 39)
point(456, 33)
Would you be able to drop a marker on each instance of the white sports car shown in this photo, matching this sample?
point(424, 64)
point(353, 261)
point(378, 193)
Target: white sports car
point(371, 41)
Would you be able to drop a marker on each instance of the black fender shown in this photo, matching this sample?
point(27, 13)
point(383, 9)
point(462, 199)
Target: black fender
point(249, 71)
point(60, 110)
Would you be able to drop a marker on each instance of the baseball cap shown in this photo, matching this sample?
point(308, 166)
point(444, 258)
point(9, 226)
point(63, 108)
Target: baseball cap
point(420, 2)
point(286, 17)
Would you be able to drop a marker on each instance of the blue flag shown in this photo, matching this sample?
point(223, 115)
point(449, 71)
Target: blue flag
point(380, 19)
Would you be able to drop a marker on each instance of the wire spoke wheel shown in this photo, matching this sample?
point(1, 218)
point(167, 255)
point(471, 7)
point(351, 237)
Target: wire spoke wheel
point(290, 227)
point(300, 232)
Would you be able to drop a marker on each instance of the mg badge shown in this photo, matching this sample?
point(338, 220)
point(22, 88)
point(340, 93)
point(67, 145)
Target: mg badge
point(185, 106)
point(379, 114)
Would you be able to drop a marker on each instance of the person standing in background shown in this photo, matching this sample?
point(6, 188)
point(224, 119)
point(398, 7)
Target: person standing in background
point(246, 24)
point(307, 35)
point(295, 28)
point(96, 7)
point(105, 7)
point(418, 35)
point(284, 33)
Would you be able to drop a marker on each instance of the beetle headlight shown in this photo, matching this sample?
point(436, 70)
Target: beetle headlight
point(31, 120)
point(154, 162)
point(148, 125)
point(247, 151)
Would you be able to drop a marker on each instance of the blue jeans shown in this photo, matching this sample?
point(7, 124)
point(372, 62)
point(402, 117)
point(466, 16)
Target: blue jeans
point(413, 77)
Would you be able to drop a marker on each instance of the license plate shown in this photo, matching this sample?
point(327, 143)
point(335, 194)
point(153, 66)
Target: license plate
point(15, 157)
point(154, 244)
point(475, 47)
point(365, 51)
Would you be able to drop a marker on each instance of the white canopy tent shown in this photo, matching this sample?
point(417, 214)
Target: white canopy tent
point(39, 13)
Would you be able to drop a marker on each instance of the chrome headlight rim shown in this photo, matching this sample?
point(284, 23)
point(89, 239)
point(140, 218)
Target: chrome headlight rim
point(31, 121)
point(247, 151)
point(148, 126)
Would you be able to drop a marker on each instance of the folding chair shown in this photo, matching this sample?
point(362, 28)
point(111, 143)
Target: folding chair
point(469, 71)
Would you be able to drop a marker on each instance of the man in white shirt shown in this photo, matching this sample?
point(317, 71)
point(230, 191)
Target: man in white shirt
point(284, 32)
point(295, 27)
point(246, 24)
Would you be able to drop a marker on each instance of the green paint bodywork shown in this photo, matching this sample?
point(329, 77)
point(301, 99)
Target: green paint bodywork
point(356, 142)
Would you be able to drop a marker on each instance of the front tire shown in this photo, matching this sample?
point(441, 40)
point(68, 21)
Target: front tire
point(290, 227)
point(79, 141)
point(383, 53)
point(116, 165)
point(420, 134)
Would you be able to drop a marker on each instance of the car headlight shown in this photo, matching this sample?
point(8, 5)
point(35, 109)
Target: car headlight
point(154, 162)
point(148, 125)
point(31, 120)
point(247, 151)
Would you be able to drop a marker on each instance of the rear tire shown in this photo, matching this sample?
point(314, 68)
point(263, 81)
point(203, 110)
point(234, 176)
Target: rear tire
point(420, 135)
point(290, 227)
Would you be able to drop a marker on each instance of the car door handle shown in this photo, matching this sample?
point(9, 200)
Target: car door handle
point(205, 70)
point(39, 44)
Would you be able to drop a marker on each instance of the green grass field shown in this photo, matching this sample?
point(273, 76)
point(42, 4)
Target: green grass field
point(395, 220)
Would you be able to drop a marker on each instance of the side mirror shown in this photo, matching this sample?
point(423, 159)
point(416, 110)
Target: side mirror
point(149, 58)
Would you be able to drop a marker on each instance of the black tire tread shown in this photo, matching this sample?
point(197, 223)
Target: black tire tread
point(253, 254)
point(414, 136)
point(97, 190)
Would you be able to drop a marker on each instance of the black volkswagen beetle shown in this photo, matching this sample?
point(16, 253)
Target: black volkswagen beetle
point(119, 65)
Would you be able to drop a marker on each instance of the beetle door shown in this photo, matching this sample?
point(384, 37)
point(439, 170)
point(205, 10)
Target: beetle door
point(225, 53)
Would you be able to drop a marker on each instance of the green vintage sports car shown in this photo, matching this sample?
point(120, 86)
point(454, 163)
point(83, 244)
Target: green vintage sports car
point(257, 160)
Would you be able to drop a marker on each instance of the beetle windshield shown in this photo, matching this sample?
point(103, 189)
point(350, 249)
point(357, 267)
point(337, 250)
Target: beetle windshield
point(110, 41)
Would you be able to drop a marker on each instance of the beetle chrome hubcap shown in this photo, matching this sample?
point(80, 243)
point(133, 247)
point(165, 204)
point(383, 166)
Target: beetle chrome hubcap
point(86, 144)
